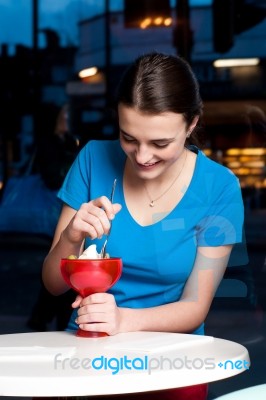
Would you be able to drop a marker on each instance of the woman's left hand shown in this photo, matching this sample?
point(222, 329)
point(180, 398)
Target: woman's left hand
point(98, 312)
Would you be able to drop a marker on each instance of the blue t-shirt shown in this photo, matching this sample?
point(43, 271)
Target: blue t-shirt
point(157, 259)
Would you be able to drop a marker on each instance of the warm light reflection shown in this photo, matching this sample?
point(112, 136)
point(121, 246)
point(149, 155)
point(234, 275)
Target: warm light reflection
point(243, 171)
point(252, 151)
point(168, 21)
point(247, 171)
point(208, 152)
point(233, 152)
point(87, 72)
point(259, 151)
point(145, 23)
point(255, 164)
point(237, 62)
point(244, 159)
point(157, 21)
point(246, 163)
point(260, 185)
point(234, 164)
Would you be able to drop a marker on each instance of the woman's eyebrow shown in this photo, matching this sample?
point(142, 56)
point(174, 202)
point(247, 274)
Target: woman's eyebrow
point(125, 133)
point(163, 140)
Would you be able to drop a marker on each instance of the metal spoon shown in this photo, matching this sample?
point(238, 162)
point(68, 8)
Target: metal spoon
point(103, 250)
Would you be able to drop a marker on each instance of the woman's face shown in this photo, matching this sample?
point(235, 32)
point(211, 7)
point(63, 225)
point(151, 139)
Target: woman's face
point(152, 143)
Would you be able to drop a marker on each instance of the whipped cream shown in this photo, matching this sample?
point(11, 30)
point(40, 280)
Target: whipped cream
point(90, 253)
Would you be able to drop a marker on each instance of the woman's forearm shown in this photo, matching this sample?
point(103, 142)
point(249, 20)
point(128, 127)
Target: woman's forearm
point(182, 316)
point(51, 274)
point(190, 311)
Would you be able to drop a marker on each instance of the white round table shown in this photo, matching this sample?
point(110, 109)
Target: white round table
point(61, 364)
point(251, 393)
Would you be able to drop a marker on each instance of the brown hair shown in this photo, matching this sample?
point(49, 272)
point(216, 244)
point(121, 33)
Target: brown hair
point(157, 83)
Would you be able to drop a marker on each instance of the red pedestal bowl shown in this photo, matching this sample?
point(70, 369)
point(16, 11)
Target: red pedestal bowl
point(91, 276)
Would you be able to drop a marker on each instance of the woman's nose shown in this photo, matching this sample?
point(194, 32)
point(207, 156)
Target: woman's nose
point(143, 155)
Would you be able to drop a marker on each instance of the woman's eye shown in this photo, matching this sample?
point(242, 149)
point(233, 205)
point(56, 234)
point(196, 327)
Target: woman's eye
point(128, 139)
point(161, 145)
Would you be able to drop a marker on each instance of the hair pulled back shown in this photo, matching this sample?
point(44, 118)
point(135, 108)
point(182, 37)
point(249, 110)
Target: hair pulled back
point(156, 83)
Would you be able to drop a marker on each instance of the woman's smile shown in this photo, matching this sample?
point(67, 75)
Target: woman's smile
point(147, 166)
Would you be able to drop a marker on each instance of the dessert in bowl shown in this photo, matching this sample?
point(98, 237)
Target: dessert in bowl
point(91, 275)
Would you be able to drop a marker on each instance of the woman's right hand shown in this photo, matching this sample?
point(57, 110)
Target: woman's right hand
point(91, 220)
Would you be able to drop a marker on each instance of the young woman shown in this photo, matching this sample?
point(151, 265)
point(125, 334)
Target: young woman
point(176, 214)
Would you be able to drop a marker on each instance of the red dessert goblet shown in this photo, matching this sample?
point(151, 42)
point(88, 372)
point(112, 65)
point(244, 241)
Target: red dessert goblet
point(91, 276)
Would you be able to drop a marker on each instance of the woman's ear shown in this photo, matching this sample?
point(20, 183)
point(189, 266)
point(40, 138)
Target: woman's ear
point(193, 123)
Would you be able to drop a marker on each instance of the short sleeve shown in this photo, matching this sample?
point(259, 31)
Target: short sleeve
point(223, 221)
point(76, 187)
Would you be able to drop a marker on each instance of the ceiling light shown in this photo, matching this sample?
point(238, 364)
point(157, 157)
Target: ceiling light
point(236, 62)
point(87, 72)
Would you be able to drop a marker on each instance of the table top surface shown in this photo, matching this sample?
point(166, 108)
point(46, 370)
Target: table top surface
point(61, 364)
point(257, 392)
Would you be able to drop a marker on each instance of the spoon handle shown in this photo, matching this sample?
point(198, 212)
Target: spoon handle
point(113, 191)
point(103, 251)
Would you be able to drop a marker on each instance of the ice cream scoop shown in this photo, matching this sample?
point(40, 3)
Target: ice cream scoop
point(90, 253)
